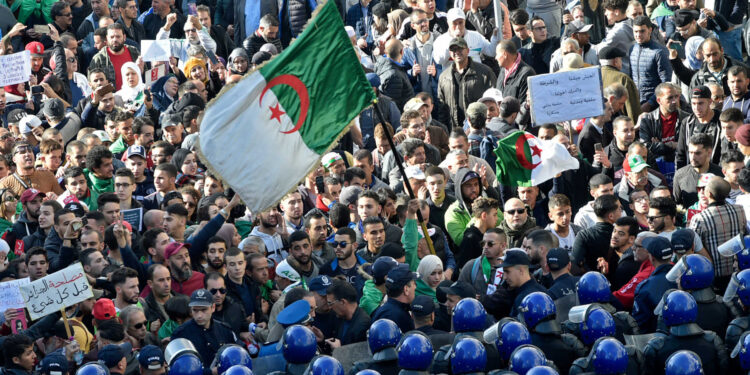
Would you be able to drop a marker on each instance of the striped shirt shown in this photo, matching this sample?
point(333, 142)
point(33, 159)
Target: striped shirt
point(716, 225)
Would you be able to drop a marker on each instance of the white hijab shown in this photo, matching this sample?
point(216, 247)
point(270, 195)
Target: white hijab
point(427, 265)
point(130, 95)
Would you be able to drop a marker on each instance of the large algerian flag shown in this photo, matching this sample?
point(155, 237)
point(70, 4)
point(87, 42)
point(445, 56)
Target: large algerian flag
point(525, 160)
point(264, 134)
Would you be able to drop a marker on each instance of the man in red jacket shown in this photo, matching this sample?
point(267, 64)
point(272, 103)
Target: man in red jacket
point(626, 294)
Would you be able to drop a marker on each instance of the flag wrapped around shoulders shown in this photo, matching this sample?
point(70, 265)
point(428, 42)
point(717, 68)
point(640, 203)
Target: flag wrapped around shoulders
point(525, 160)
point(267, 132)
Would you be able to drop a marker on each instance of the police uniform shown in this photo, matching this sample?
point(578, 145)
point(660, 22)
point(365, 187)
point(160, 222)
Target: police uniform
point(560, 348)
point(565, 284)
point(647, 297)
point(713, 314)
point(392, 309)
point(423, 306)
point(585, 365)
point(624, 323)
point(441, 360)
point(706, 344)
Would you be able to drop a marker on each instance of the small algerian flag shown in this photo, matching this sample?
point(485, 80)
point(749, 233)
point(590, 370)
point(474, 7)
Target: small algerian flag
point(525, 160)
point(264, 134)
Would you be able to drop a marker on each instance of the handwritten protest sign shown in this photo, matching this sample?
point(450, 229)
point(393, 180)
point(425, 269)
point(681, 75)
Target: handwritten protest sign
point(564, 96)
point(15, 68)
point(156, 50)
point(134, 216)
point(10, 294)
point(56, 291)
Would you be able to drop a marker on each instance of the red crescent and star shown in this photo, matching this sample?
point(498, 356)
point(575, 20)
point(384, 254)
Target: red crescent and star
point(521, 154)
point(304, 99)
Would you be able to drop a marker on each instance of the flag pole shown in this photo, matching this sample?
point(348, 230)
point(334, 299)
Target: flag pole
point(397, 158)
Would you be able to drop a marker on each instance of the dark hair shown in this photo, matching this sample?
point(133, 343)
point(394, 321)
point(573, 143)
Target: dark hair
point(643, 21)
point(298, 235)
point(111, 329)
point(122, 274)
point(211, 276)
point(295, 295)
point(177, 307)
point(519, 17)
point(631, 223)
point(599, 180)
point(621, 5)
point(116, 26)
point(605, 205)
point(84, 256)
point(434, 171)
point(543, 237)
point(352, 172)
point(179, 156)
point(190, 113)
point(744, 179)
point(731, 156)
point(736, 70)
point(168, 148)
point(177, 209)
point(216, 239)
point(372, 195)
point(314, 214)
point(60, 213)
point(152, 270)
point(411, 146)
point(57, 9)
point(702, 139)
point(96, 154)
point(105, 198)
point(732, 114)
point(339, 215)
point(558, 200)
point(341, 289)
point(363, 154)
point(148, 239)
point(140, 122)
point(346, 231)
point(15, 346)
point(34, 251)
point(372, 220)
point(665, 206)
point(71, 172)
point(550, 127)
point(124, 172)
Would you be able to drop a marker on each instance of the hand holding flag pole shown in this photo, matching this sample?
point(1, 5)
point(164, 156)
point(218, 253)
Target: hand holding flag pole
point(399, 163)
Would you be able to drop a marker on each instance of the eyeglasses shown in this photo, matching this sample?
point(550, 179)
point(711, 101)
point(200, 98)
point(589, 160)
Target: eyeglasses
point(67, 15)
point(10, 198)
point(140, 325)
point(337, 244)
point(425, 20)
point(487, 243)
point(219, 290)
point(71, 59)
point(652, 218)
point(517, 211)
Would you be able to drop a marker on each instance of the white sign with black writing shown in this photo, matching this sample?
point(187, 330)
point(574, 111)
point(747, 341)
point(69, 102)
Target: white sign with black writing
point(15, 68)
point(10, 294)
point(56, 291)
point(564, 96)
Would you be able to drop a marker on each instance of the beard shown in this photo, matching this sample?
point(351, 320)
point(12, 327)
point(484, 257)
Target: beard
point(132, 300)
point(216, 263)
point(116, 47)
point(182, 273)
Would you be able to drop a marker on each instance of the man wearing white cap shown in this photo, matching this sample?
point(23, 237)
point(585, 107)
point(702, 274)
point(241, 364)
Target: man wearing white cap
point(416, 178)
point(457, 28)
point(30, 128)
point(492, 99)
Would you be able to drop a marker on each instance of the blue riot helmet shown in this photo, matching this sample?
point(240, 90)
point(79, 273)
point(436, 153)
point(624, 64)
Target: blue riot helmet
point(92, 368)
point(684, 362)
point(238, 370)
point(693, 272)
point(593, 287)
point(186, 364)
point(739, 286)
point(512, 335)
point(414, 352)
point(594, 322)
point(542, 370)
point(368, 372)
point(742, 350)
point(298, 344)
point(468, 355)
point(469, 316)
point(535, 308)
point(609, 357)
point(743, 259)
point(325, 365)
point(677, 307)
point(230, 355)
point(526, 357)
point(383, 334)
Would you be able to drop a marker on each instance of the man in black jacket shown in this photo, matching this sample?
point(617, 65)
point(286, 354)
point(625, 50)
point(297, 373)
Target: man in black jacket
point(224, 43)
point(394, 81)
point(227, 310)
point(538, 53)
point(128, 18)
point(617, 150)
point(591, 247)
point(703, 120)
point(514, 73)
point(659, 129)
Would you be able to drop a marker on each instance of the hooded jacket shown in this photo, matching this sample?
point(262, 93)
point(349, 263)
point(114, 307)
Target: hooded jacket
point(237, 52)
point(458, 215)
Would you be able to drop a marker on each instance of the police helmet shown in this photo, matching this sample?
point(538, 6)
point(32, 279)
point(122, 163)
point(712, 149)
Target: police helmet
point(598, 323)
point(679, 308)
point(325, 365)
point(230, 355)
point(469, 316)
point(414, 351)
point(683, 362)
point(512, 335)
point(542, 370)
point(186, 364)
point(593, 287)
point(468, 355)
point(537, 307)
point(92, 368)
point(238, 370)
point(693, 271)
point(383, 334)
point(610, 357)
point(739, 286)
point(299, 344)
point(526, 357)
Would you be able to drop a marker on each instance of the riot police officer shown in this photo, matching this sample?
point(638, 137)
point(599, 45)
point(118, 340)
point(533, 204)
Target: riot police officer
point(468, 356)
point(414, 354)
point(739, 288)
point(649, 292)
point(507, 334)
point(469, 320)
point(230, 355)
point(538, 312)
point(741, 352)
point(694, 274)
point(593, 287)
point(609, 356)
point(299, 346)
point(680, 312)
point(684, 362)
point(527, 357)
point(325, 365)
point(591, 323)
point(382, 337)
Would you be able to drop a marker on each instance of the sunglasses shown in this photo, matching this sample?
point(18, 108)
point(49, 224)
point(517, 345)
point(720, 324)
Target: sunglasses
point(487, 243)
point(517, 211)
point(337, 244)
point(140, 325)
point(219, 290)
point(652, 218)
point(23, 150)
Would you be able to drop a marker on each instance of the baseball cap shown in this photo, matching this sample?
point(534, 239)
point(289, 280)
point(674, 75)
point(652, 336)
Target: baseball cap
point(135, 150)
point(30, 194)
point(702, 92)
point(399, 276)
point(28, 123)
point(634, 163)
point(458, 42)
point(54, 108)
point(381, 267)
point(173, 248)
point(461, 289)
point(659, 247)
point(682, 240)
point(610, 52)
point(682, 17)
point(492, 94)
point(112, 354)
point(36, 49)
point(704, 179)
point(576, 26)
point(350, 194)
point(201, 298)
point(54, 364)
point(330, 158)
point(557, 258)
point(319, 284)
point(76, 208)
point(103, 136)
point(171, 119)
point(422, 305)
point(151, 357)
point(742, 135)
point(414, 104)
point(104, 309)
point(414, 171)
point(455, 14)
point(515, 257)
point(470, 176)
point(286, 271)
point(15, 116)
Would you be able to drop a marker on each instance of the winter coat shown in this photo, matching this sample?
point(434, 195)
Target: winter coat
point(650, 127)
point(394, 81)
point(474, 82)
point(649, 65)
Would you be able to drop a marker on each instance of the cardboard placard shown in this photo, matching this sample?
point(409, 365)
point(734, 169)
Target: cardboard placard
point(56, 291)
point(10, 294)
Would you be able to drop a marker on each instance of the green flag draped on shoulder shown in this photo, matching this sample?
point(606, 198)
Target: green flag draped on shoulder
point(264, 134)
point(525, 160)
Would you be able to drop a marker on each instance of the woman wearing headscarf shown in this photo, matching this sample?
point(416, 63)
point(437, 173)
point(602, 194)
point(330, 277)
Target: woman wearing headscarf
point(132, 95)
point(430, 272)
point(238, 61)
point(197, 69)
point(694, 57)
point(164, 91)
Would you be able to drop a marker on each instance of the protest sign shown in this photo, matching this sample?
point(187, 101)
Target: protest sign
point(18, 323)
point(153, 74)
point(155, 50)
point(10, 294)
point(15, 68)
point(56, 291)
point(134, 217)
point(564, 96)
